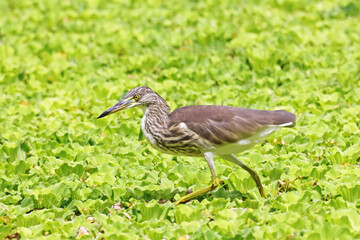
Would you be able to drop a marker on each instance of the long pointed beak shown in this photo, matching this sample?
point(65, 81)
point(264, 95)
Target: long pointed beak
point(123, 104)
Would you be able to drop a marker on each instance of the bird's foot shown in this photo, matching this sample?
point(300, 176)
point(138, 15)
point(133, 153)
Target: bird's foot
point(197, 193)
point(216, 183)
point(262, 192)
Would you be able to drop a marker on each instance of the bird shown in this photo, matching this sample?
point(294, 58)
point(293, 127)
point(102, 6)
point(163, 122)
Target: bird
point(203, 130)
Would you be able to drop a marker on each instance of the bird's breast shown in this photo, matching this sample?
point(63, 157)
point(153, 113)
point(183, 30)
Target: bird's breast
point(149, 137)
point(166, 140)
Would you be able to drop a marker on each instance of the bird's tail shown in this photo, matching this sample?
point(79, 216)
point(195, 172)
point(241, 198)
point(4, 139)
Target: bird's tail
point(284, 118)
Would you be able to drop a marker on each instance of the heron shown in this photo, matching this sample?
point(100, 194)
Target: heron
point(203, 130)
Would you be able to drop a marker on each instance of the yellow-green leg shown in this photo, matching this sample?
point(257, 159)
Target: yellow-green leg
point(215, 181)
point(232, 158)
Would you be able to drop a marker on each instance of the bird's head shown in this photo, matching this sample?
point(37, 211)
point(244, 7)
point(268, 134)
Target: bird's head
point(139, 96)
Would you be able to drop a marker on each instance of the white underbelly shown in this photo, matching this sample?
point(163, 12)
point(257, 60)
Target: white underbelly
point(247, 143)
point(233, 148)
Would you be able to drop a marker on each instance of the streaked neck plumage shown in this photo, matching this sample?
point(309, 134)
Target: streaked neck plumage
point(157, 110)
point(155, 120)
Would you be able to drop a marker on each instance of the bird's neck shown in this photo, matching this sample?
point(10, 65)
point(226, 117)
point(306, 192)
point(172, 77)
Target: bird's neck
point(157, 113)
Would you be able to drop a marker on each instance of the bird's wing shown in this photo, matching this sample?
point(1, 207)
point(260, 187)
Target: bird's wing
point(224, 124)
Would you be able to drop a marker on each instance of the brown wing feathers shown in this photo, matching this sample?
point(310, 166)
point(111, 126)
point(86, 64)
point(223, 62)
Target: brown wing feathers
point(220, 124)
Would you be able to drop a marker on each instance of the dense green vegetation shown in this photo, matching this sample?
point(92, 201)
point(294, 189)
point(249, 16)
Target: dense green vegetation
point(64, 62)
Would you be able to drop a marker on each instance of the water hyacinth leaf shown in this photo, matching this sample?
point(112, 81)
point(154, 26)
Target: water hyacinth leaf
point(351, 128)
point(152, 210)
point(27, 203)
point(351, 194)
point(101, 178)
point(66, 170)
point(275, 174)
point(186, 213)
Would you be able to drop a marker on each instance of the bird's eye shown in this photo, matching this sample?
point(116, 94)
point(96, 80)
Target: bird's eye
point(136, 97)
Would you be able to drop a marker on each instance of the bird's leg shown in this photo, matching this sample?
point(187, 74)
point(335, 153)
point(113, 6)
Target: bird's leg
point(215, 181)
point(232, 158)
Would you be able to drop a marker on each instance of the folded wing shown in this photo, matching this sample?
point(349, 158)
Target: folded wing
point(225, 124)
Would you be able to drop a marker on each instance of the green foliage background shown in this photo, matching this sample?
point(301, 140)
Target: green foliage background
point(64, 62)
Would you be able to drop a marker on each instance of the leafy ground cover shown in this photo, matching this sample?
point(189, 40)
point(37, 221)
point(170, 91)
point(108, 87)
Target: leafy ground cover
point(64, 174)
